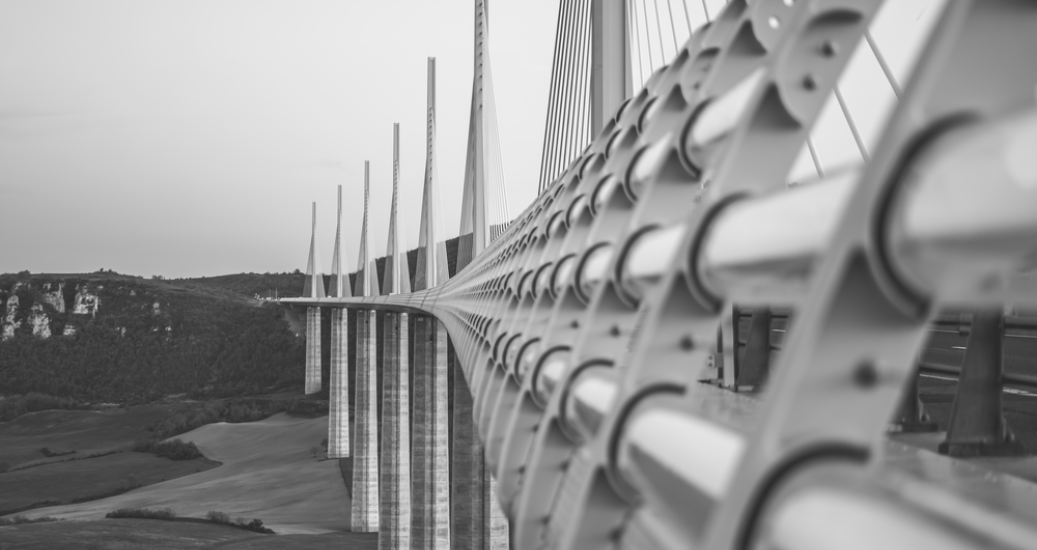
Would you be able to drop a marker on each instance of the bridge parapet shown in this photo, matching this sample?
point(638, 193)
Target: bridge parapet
point(597, 334)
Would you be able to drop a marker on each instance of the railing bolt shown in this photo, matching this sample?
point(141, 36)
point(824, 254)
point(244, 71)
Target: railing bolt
point(809, 83)
point(829, 48)
point(687, 344)
point(614, 331)
point(575, 324)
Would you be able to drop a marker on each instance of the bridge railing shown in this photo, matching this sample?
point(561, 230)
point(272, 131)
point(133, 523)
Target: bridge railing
point(764, 250)
point(588, 332)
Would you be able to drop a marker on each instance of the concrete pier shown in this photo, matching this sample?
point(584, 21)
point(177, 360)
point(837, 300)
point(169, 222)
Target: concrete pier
point(312, 350)
point(477, 521)
point(430, 519)
point(395, 523)
point(338, 399)
point(365, 445)
point(498, 530)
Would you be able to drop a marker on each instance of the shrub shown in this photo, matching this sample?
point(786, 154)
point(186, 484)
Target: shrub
point(255, 525)
point(51, 454)
point(141, 513)
point(219, 517)
point(19, 520)
point(131, 482)
point(173, 450)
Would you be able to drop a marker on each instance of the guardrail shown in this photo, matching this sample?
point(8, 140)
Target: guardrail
point(584, 329)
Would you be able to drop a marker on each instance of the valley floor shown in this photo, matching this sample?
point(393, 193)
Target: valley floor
point(268, 472)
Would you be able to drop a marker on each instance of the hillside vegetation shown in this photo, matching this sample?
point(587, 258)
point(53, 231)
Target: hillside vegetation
point(105, 337)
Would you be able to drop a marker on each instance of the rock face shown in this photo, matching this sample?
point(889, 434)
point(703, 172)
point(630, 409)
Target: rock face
point(86, 302)
point(88, 350)
point(39, 321)
point(10, 324)
point(54, 298)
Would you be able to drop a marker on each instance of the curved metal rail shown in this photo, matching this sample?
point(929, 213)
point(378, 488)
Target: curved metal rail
point(585, 329)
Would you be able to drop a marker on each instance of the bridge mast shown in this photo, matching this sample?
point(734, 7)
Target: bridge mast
point(431, 259)
point(313, 288)
point(367, 276)
point(338, 399)
point(396, 277)
point(610, 61)
point(590, 78)
point(395, 492)
point(365, 508)
point(430, 449)
point(484, 210)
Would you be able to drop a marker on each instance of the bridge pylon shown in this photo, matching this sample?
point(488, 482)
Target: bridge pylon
point(395, 492)
point(338, 397)
point(430, 441)
point(484, 203)
point(365, 506)
point(313, 288)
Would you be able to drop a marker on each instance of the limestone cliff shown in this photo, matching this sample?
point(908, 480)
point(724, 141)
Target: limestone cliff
point(114, 337)
point(40, 308)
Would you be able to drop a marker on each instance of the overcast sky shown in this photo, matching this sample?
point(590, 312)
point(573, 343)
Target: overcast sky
point(189, 137)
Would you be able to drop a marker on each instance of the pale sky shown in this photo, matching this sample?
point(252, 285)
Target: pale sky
point(189, 137)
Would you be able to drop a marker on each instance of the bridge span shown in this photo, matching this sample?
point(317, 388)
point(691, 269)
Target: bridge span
point(678, 345)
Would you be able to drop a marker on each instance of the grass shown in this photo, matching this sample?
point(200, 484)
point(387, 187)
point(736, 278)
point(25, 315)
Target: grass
point(87, 452)
point(267, 471)
point(168, 535)
point(123, 534)
point(83, 480)
point(86, 432)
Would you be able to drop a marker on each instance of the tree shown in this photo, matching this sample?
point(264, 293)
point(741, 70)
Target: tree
point(131, 482)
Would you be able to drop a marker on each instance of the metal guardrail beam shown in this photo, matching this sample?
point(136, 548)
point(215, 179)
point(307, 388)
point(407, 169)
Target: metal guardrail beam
point(584, 328)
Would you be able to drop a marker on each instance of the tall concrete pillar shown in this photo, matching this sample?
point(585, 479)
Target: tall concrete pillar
point(312, 350)
point(395, 522)
point(476, 518)
point(430, 519)
point(313, 287)
point(365, 460)
point(338, 398)
point(498, 536)
point(365, 432)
